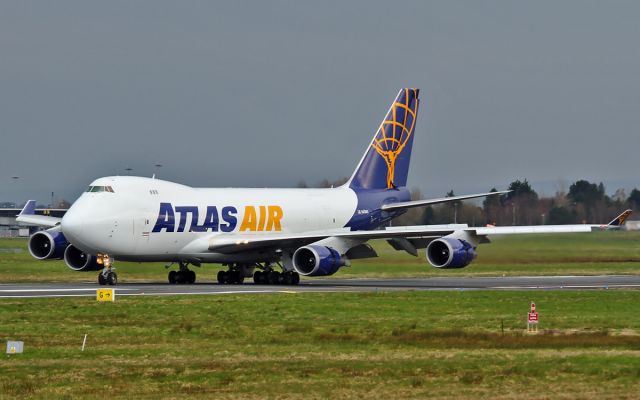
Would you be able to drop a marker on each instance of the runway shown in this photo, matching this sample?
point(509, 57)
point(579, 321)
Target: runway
point(37, 290)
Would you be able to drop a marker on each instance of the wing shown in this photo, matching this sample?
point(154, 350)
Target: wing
point(408, 238)
point(237, 243)
point(28, 216)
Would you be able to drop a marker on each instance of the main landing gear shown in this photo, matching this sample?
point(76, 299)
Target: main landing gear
point(183, 275)
point(107, 276)
point(263, 275)
point(271, 277)
point(235, 274)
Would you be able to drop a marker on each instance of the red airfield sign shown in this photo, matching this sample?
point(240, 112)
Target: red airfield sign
point(532, 317)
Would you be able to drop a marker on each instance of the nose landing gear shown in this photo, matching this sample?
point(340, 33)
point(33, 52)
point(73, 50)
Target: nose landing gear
point(107, 276)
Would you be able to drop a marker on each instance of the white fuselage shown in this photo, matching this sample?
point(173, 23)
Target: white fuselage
point(121, 222)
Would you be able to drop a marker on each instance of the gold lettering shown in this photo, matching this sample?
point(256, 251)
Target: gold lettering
point(275, 215)
point(249, 220)
point(263, 216)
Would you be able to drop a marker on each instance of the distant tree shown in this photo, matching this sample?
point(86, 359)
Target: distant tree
point(523, 202)
point(520, 189)
point(428, 216)
point(587, 194)
point(492, 207)
point(326, 183)
point(560, 215)
point(620, 195)
point(634, 199)
point(302, 184)
point(454, 206)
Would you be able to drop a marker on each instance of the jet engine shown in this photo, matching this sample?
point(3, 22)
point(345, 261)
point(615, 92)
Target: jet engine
point(450, 253)
point(314, 260)
point(78, 260)
point(47, 245)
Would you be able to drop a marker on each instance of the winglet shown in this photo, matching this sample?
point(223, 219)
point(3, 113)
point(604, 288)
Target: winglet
point(29, 208)
point(620, 219)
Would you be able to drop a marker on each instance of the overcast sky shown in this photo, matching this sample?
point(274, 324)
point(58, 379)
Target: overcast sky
point(268, 93)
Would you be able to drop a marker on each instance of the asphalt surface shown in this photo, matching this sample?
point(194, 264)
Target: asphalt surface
point(329, 285)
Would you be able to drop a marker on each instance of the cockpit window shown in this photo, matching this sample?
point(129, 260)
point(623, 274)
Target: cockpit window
point(95, 189)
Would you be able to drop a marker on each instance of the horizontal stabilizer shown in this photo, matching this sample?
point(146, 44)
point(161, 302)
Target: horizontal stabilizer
point(428, 202)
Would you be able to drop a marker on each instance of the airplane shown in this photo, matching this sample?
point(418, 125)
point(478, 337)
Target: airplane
point(272, 235)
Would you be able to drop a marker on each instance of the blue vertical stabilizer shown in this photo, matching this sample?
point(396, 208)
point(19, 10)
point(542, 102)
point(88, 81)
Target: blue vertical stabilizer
point(385, 164)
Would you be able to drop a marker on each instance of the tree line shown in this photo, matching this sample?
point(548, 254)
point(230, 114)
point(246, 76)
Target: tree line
point(584, 202)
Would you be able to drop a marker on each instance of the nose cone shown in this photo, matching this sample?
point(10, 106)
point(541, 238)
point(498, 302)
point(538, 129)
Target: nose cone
point(72, 224)
point(99, 223)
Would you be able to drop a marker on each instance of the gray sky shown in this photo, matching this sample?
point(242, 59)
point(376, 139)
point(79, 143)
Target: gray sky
point(270, 93)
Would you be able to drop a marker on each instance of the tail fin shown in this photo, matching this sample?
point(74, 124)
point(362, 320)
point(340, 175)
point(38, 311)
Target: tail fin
point(385, 164)
point(29, 208)
point(620, 219)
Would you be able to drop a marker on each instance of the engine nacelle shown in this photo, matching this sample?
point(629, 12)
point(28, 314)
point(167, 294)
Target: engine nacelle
point(450, 253)
point(317, 260)
point(78, 260)
point(47, 245)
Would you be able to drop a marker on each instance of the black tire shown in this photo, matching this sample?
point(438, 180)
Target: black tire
point(192, 277)
point(257, 277)
point(273, 278)
point(239, 278)
point(222, 277)
point(112, 278)
point(101, 279)
point(296, 278)
point(173, 277)
point(287, 278)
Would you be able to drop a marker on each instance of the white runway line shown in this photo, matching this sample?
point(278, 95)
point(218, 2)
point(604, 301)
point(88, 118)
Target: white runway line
point(61, 290)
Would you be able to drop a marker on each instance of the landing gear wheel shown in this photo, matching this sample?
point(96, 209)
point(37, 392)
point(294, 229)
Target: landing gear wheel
point(173, 277)
point(287, 278)
point(112, 278)
point(274, 278)
point(222, 277)
point(191, 277)
point(101, 279)
point(259, 277)
point(291, 278)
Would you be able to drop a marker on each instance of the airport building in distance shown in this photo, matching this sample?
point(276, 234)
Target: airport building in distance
point(9, 227)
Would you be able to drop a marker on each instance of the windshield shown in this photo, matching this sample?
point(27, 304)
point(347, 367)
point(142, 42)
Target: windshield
point(95, 189)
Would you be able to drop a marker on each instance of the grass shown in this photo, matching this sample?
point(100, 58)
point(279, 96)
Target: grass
point(315, 345)
point(561, 254)
point(344, 345)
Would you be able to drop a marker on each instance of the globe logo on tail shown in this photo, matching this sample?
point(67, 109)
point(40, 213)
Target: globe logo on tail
point(395, 132)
